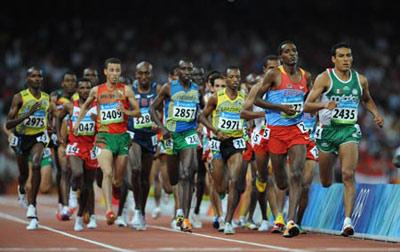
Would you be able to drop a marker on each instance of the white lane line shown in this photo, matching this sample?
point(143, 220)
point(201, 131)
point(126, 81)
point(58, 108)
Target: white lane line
point(231, 240)
point(16, 219)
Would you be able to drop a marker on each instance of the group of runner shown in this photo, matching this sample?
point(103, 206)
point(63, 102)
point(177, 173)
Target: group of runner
point(256, 141)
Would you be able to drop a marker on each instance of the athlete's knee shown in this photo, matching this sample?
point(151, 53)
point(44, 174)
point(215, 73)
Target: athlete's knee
point(296, 176)
point(282, 184)
point(45, 188)
point(348, 175)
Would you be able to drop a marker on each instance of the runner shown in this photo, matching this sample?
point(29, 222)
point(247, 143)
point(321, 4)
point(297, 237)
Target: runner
point(341, 89)
point(112, 140)
point(28, 119)
point(182, 101)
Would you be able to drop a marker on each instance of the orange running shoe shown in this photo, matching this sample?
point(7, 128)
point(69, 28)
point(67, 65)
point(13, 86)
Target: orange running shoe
point(110, 217)
point(291, 230)
point(186, 226)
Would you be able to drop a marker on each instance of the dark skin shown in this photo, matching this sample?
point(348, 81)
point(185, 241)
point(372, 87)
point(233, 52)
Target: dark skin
point(234, 162)
point(185, 173)
point(297, 153)
point(92, 75)
point(34, 81)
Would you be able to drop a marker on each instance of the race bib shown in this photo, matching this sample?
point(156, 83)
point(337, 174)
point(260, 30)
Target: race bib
point(302, 127)
point(256, 138)
point(345, 113)
point(230, 122)
point(314, 152)
point(54, 138)
point(72, 149)
point(46, 153)
point(44, 138)
point(13, 141)
point(192, 139)
point(93, 153)
point(184, 111)
point(86, 128)
point(37, 120)
point(296, 105)
point(267, 131)
point(144, 121)
point(168, 144)
point(239, 143)
point(215, 144)
point(318, 132)
point(154, 140)
point(110, 113)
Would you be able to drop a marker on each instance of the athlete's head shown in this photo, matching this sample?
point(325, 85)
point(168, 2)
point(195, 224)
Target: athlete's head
point(288, 53)
point(144, 73)
point(251, 80)
point(217, 81)
point(68, 82)
point(233, 77)
point(270, 62)
point(34, 77)
point(173, 73)
point(185, 70)
point(112, 70)
point(84, 86)
point(342, 56)
point(92, 75)
point(198, 75)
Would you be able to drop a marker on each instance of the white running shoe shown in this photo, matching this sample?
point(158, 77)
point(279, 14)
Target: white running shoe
point(196, 222)
point(31, 212)
point(78, 224)
point(136, 219)
point(250, 225)
point(229, 230)
point(92, 222)
point(347, 228)
point(33, 224)
point(120, 222)
point(142, 224)
point(264, 226)
point(73, 199)
point(221, 227)
point(22, 199)
point(156, 213)
point(174, 226)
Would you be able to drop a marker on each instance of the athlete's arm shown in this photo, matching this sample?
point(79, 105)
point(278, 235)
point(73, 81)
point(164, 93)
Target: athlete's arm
point(268, 82)
point(130, 95)
point(156, 105)
point(247, 112)
point(369, 102)
point(312, 105)
point(85, 107)
point(16, 104)
point(66, 109)
point(210, 107)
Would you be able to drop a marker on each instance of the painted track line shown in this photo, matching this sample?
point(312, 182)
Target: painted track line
point(18, 220)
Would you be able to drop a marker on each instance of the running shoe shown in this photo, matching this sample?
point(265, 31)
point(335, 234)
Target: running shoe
point(110, 217)
point(33, 224)
point(136, 219)
point(264, 226)
point(156, 213)
point(291, 230)
point(215, 222)
point(186, 226)
point(142, 224)
point(347, 228)
point(221, 227)
point(250, 225)
point(78, 224)
point(120, 222)
point(279, 225)
point(31, 212)
point(196, 221)
point(179, 220)
point(73, 200)
point(22, 199)
point(229, 230)
point(65, 213)
point(92, 222)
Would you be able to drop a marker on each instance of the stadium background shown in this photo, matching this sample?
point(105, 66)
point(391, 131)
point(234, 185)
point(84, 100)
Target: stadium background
point(62, 35)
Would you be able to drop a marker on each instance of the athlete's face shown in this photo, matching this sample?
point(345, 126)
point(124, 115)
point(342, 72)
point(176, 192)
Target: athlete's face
point(84, 89)
point(343, 59)
point(185, 71)
point(113, 72)
point(289, 55)
point(92, 75)
point(233, 78)
point(271, 64)
point(219, 84)
point(198, 75)
point(69, 83)
point(144, 73)
point(35, 79)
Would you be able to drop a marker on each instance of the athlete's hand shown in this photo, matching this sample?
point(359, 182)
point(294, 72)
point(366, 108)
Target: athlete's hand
point(221, 136)
point(165, 133)
point(34, 108)
point(379, 120)
point(330, 105)
point(288, 110)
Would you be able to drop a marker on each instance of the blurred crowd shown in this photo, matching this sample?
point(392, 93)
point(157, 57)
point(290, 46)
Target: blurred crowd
point(214, 35)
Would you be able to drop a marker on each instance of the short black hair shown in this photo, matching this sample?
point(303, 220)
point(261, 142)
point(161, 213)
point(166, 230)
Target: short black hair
point(85, 80)
point(280, 49)
point(173, 70)
point(33, 68)
point(112, 61)
point(231, 68)
point(68, 72)
point(339, 45)
point(215, 76)
point(270, 57)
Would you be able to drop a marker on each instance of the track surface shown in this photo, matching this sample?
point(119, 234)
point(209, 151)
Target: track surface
point(54, 235)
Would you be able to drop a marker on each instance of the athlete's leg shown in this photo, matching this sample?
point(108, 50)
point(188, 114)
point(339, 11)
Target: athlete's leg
point(348, 155)
point(37, 153)
point(234, 164)
point(200, 180)
point(105, 159)
point(297, 157)
point(147, 161)
point(188, 166)
point(308, 175)
point(218, 176)
point(47, 178)
point(326, 162)
point(65, 175)
point(22, 161)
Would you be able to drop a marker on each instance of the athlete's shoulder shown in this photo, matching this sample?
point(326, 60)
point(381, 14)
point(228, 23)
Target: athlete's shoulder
point(23, 93)
point(45, 95)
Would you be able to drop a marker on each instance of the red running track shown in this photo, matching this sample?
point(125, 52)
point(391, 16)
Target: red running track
point(54, 235)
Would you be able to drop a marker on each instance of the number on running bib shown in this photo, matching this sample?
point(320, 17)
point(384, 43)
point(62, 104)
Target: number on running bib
point(302, 127)
point(230, 122)
point(184, 111)
point(36, 120)
point(110, 113)
point(144, 121)
point(14, 141)
point(86, 128)
point(256, 138)
point(193, 139)
point(239, 143)
point(72, 149)
point(215, 144)
point(44, 138)
point(346, 112)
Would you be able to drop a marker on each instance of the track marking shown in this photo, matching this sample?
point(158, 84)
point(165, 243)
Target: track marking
point(16, 219)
